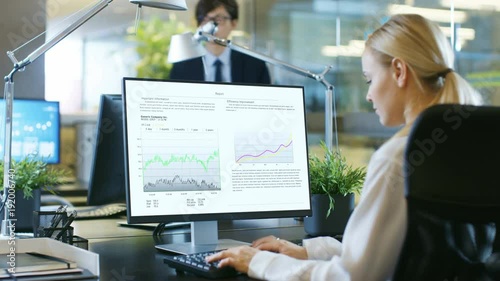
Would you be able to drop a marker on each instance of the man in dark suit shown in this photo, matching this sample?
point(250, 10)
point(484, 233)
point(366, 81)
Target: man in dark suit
point(221, 63)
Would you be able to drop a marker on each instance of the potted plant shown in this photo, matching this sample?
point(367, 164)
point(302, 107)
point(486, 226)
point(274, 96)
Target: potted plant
point(333, 185)
point(30, 175)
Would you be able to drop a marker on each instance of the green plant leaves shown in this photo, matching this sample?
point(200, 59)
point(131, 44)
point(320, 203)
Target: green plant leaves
point(331, 206)
point(332, 175)
point(33, 173)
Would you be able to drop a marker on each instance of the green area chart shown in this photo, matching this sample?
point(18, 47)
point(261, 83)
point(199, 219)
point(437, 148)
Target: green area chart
point(182, 172)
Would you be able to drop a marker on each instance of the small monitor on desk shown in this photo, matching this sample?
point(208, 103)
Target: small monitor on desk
point(35, 130)
point(202, 152)
point(107, 176)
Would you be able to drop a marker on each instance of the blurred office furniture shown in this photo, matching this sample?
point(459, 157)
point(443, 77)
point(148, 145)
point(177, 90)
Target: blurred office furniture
point(453, 195)
point(365, 124)
point(78, 143)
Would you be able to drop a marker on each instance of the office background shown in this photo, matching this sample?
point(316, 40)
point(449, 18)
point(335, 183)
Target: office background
point(307, 33)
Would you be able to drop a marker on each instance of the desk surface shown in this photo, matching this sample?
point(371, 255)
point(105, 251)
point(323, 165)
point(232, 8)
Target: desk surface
point(128, 253)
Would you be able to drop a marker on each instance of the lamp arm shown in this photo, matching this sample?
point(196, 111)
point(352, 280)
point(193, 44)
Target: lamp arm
point(330, 108)
point(231, 45)
point(53, 41)
point(7, 225)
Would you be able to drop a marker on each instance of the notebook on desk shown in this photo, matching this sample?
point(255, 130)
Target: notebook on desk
point(34, 264)
point(57, 275)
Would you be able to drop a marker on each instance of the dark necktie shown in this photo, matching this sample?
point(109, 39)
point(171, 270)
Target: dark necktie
point(218, 71)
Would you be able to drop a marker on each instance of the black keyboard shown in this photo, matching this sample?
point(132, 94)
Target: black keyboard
point(196, 264)
point(107, 210)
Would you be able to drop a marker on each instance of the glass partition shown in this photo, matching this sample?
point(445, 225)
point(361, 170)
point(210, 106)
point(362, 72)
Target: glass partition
point(312, 34)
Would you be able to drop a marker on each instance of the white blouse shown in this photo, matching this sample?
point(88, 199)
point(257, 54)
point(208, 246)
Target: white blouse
point(373, 237)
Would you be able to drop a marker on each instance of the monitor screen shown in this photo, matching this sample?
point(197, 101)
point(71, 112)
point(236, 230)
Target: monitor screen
point(202, 151)
point(35, 130)
point(107, 176)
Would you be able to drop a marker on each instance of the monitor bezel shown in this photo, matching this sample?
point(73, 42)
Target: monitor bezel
point(206, 216)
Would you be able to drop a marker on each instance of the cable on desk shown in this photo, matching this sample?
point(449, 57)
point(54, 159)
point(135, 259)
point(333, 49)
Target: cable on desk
point(159, 229)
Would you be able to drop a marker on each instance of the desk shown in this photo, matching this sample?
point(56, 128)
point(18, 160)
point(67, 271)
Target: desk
point(127, 253)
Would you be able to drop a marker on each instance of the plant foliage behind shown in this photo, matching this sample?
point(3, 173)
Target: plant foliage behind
point(153, 42)
point(33, 173)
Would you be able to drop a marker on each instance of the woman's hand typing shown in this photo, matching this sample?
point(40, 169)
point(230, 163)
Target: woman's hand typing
point(274, 244)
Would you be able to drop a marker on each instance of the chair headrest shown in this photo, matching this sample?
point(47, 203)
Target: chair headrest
point(453, 155)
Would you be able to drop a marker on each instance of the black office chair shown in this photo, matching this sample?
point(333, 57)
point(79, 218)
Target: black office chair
point(452, 166)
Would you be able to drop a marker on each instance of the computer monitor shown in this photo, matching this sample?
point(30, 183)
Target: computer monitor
point(35, 130)
point(201, 152)
point(107, 176)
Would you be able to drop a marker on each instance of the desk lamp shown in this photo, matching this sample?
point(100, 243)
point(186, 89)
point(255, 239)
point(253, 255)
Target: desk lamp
point(187, 46)
point(7, 197)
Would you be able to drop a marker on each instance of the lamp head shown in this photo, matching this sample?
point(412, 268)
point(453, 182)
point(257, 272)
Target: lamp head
point(162, 4)
point(184, 47)
point(187, 45)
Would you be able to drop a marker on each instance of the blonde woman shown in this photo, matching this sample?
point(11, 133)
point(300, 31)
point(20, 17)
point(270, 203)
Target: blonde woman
point(408, 64)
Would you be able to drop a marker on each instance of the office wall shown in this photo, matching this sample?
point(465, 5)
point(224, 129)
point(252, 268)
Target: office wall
point(20, 21)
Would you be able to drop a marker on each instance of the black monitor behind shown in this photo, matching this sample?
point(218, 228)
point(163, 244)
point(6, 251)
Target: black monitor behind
point(107, 177)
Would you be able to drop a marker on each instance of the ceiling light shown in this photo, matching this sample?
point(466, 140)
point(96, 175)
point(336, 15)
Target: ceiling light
point(353, 49)
point(438, 15)
point(486, 5)
point(462, 33)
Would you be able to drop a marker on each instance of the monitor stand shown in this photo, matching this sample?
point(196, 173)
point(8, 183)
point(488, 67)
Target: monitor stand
point(204, 238)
